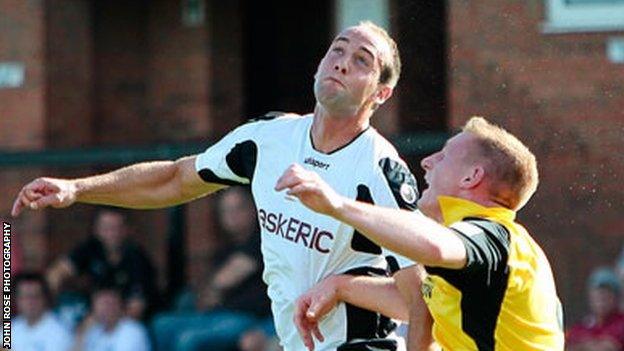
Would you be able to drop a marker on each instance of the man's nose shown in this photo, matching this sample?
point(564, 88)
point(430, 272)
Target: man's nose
point(426, 163)
point(341, 67)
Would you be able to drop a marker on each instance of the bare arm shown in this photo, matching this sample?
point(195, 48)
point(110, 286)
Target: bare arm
point(417, 237)
point(398, 297)
point(414, 236)
point(362, 291)
point(143, 185)
point(61, 270)
point(409, 283)
point(236, 269)
point(365, 292)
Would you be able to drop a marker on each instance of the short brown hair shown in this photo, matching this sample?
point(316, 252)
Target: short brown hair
point(512, 165)
point(390, 71)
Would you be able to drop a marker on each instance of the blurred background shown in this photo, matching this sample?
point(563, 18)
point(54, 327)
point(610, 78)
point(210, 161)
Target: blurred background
point(88, 86)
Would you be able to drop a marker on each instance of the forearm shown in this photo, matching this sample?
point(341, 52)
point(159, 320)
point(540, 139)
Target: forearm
point(409, 282)
point(62, 269)
point(235, 270)
point(414, 236)
point(144, 185)
point(378, 294)
point(420, 327)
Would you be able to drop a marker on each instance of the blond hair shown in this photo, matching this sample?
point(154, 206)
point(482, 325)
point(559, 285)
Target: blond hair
point(511, 164)
point(390, 71)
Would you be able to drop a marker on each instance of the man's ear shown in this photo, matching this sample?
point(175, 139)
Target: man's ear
point(382, 94)
point(473, 177)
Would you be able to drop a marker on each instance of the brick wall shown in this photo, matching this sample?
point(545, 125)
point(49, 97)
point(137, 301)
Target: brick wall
point(108, 73)
point(561, 95)
point(22, 111)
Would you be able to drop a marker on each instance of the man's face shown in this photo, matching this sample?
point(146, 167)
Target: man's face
point(237, 215)
point(602, 301)
point(107, 307)
point(444, 171)
point(348, 75)
point(31, 300)
point(110, 229)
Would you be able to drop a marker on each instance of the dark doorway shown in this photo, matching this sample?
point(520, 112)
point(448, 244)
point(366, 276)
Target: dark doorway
point(283, 43)
point(420, 32)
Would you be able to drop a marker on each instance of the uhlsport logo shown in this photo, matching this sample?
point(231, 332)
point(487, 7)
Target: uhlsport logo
point(316, 163)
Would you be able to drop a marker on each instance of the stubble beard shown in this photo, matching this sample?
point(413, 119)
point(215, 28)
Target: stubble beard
point(336, 102)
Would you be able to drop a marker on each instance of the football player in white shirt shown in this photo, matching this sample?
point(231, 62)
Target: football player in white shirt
point(356, 76)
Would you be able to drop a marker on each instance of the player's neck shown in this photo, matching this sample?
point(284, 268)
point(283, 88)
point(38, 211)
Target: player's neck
point(331, 132)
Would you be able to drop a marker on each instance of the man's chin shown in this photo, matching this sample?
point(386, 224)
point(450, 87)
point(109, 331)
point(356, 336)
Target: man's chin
point(425, 205)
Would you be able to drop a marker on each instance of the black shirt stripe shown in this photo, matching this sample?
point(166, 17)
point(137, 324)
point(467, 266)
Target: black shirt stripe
point(359, 242)
point(483, 281)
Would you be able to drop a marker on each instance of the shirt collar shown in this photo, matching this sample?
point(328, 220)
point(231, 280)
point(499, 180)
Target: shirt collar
point(455, 209)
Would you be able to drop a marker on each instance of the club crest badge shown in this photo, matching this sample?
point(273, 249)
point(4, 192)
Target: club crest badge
point(408, 194)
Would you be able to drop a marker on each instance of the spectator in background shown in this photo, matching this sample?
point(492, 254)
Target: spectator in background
point(603, 328)
point(109, 329)
point(36, 328)
point(619, 270)
point(109, 256)
point(233, 299)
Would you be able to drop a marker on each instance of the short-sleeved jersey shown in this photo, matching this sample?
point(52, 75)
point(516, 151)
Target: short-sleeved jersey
point(301, 247)
point(505, 296)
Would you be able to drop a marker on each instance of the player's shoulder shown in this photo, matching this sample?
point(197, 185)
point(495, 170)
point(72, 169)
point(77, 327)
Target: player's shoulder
point(473, 226)
point(382, 147)
point(385, 157)
point(272, 125)
point(275, 118)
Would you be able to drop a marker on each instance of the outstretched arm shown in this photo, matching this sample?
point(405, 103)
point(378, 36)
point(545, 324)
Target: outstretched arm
point(143, 185)
point(416, 237)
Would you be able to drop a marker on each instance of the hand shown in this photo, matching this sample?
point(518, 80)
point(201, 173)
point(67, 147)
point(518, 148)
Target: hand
point(312, 306)
point(254, 340)
point(45, 192)
point(208, 297)
point(310, 189)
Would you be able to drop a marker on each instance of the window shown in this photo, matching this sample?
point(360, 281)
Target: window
point(584, 15)
point(351, 12)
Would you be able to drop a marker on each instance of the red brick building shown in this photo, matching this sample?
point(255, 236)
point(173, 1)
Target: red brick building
point(98, 74)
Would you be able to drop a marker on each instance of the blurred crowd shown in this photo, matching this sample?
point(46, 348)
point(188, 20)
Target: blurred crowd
point(103, 296)
point(602, 328)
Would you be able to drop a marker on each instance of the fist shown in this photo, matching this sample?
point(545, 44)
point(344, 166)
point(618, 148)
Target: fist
point(310, 189)
point(44, 192)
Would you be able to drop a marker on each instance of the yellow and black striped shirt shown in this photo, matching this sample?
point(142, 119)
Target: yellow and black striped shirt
point(505, 296)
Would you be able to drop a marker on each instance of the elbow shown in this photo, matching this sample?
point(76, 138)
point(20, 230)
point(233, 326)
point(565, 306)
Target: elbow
point(432, 255)
point(446, 256)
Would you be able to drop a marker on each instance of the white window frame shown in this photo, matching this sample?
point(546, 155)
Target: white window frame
point(562, 17)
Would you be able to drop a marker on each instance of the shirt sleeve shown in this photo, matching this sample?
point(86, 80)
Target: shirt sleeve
point(487, 250)
point(394, 186)
point(232, 160)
